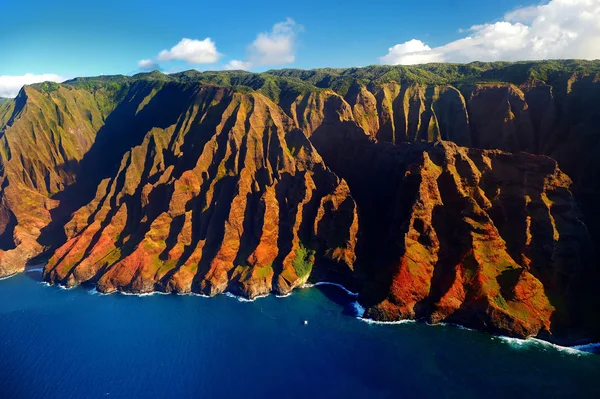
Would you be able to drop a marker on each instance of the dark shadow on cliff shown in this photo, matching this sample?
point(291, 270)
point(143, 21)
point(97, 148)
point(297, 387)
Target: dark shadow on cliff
point(375, 173)
point(339, 297)
point(8, 222)
point(124, 128)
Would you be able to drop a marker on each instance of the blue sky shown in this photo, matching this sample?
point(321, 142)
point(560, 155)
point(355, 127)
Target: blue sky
point(67, 38)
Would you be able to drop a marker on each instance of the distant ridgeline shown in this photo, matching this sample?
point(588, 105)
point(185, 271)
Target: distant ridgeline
point(444, 192)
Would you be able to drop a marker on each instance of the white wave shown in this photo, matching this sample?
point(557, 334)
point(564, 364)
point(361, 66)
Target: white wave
point(337, 285)
point(94, 291)
point(242, 299)
point(7, 277)
point(371, 321)
point(515, 342)
point(57, 286)
point(143, 294)
point(518, 343)
point(460, 327)
point(62, 287)
point(239, 298)
point(35, 269)
point(587, 347)
point(359, 309)
point(194, 294)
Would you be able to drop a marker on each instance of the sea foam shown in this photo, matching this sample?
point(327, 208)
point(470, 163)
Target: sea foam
point(335, 285)
point(143, 294)
point(518, 343)
point(371, 321)
point(358, 309)
point(588, 347)
point(35, 269)
point(7, 277)
point(242, 299)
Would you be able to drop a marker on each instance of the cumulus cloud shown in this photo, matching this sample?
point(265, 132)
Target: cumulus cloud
point(557, 29)
point(10, 85)
point(189, 50)
point(192, 51)
point(148, 65)
point(237, 64)
point(276, 47)
point(411, 52)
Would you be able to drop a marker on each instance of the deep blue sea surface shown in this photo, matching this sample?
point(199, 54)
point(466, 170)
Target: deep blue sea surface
point(57, 343)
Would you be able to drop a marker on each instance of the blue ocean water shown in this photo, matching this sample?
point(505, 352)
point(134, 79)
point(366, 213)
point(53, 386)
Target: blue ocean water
point(57, 343)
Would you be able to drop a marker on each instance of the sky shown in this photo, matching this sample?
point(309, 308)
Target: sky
point(61, 39)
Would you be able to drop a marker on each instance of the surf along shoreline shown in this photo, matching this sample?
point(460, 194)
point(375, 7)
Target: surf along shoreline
point(577, 349)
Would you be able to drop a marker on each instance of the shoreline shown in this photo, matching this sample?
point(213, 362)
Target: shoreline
point(9, 276)
point(511, 341)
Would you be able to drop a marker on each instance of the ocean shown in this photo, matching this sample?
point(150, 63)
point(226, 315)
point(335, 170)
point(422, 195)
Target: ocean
point(58, 343)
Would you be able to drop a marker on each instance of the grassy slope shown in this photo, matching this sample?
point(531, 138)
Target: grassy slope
point(273, 82)
point(292, 82)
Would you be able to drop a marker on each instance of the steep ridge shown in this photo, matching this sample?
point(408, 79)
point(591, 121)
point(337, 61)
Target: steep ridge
point(256, 183)
point(44, 133)
point(6, 110)
point(230, 198)
point(138, 106)
point(544, 108)
point(478, 237)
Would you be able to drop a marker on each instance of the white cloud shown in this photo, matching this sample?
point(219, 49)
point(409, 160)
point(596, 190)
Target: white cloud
point(192, 51)
point(557, 29)
point(237, 64)
point(276, 47)
point(148, 65)
point(411, 52)
point(10, 85)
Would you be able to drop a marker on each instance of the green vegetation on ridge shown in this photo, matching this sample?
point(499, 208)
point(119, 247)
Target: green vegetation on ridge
point(304, 260)
point(295, 81)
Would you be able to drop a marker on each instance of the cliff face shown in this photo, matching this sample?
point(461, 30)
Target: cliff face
point(231, 197)
point(509, 218)
point(557, 118)
point(414, 194)
point(43, 136)
point(476, 237)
